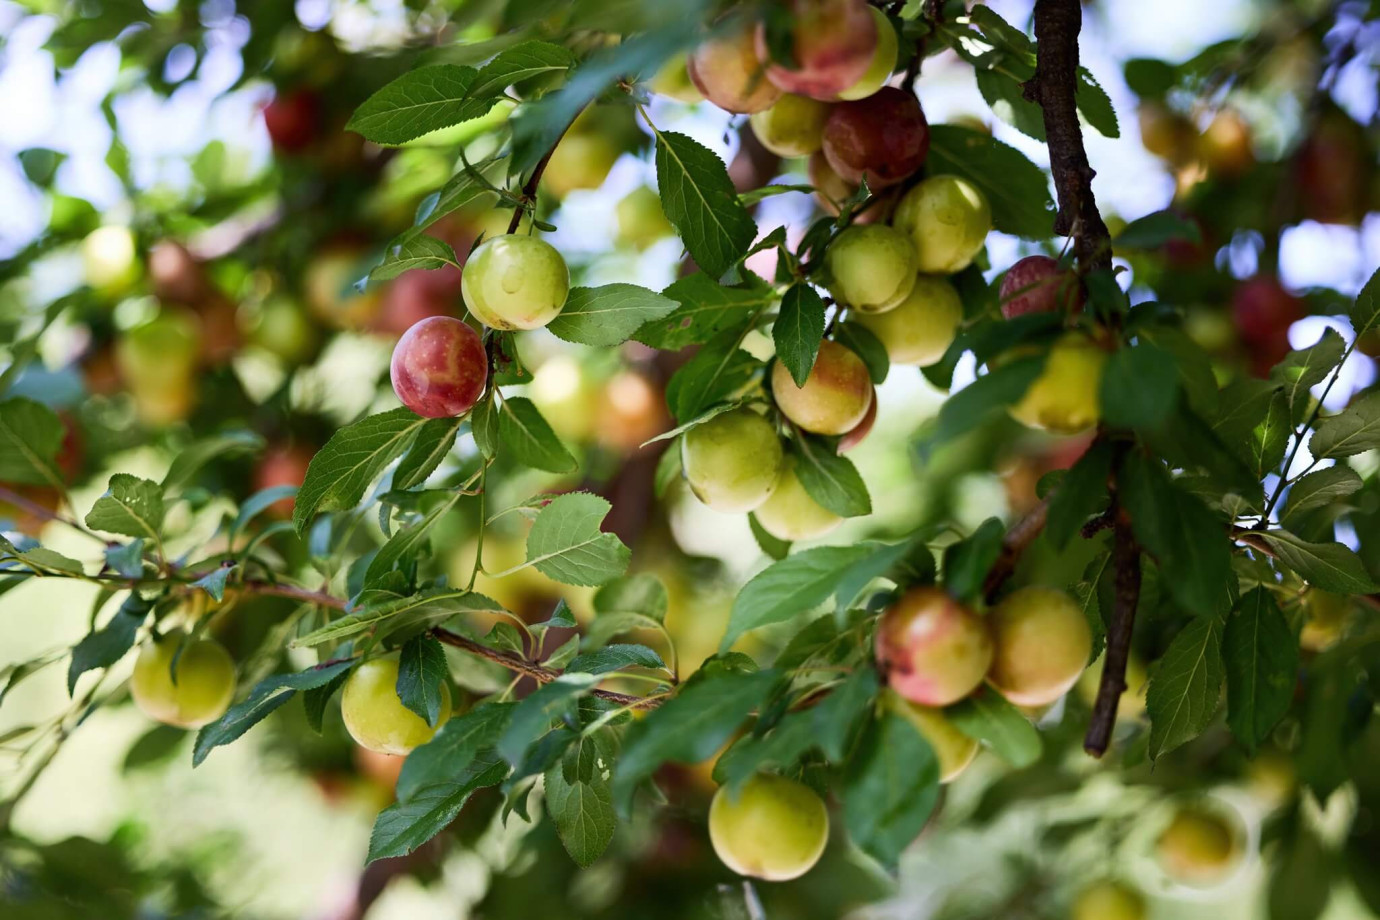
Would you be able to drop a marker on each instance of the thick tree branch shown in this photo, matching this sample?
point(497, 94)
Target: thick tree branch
point(1054, 87)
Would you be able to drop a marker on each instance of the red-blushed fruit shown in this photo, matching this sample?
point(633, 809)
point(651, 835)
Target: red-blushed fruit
point(1165, 133)
point(1041, 645)
point(835, 397)
point(883, 60)
point(932, 649)
point(285, 465)
point(175, 274)
point(832, 42)
point(1035, 284)
point(883, 138)
point(1264, 311)
point(727, 70)
point(855, 435)
point(439, 368)
point(773, 828)
point(293, 120)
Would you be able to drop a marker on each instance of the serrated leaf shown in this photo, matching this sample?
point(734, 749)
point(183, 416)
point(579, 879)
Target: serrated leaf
point(705, 309)
point(420, 252)
point(433, 441)
point(107, 645)
point(1094, 105)
point(1354, 430)
point(389, 614)
point(1007, 101)
point(353, 458)
point(989, 718)
point(1156, 229)
point(267, 695)
point(583, 809)
point(608, 315)
point(426, 99)
point(454, 747)
point(1306, 368)
point(831, 480)
point(1365, 311)
point(1184, 689)
point(314, 700)
point(529, 439)
point(566, 544)
point(716, 372)
point(615, 658)
point(402, 827)
point(1140, 387)
point(30, 436)
point(1015, 187)
point(890, 786)
point(213, 582)
point(563, 654)
point(798, 330)
point(131, 506)
point(701, 203)
point(484, 426)
point(864, 343)
point(987, 396)
point(1319, 488)
point(1330, 566)
point(404, 545)
point(422, 675)
point(1261, 654)
point(1082, 493)
point(41, 559)
point(531, 718)
point(967, 562)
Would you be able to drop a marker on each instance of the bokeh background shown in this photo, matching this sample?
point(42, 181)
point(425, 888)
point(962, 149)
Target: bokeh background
point(208, 265)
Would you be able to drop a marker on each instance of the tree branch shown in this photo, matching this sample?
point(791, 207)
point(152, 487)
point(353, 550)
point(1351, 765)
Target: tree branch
point(1053, 87)
point(1126, 566)
point(1019, 536)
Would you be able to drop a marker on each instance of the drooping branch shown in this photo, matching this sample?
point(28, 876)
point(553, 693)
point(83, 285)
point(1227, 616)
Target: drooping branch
point(1054, 88)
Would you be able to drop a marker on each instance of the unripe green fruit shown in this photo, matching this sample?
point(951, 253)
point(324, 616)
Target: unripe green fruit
point(109, 259)
point(792, 127)
point(774, 829)
point(790, 513)
point(953, 749)
point(374, 715)
point(1131, 703)
point(515, 282)
point(673, 80)
point(204, 688)
point(1064, 399)
point(641, 220)
point(871, 268)
point(922, 327)
point(731, 461)
point(835, 397)
point(948, 220)
point(283, 329)
point(581, 160)
point(1042, 643)
point(1108, 901)
point(883, 61)
point(1197, 848)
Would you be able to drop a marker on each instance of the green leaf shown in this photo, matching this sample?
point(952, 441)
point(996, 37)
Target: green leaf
point(705, 309)
point(608, 625)
point(422, 675)
point(608, 315)
point(831, 480)
point(484, 426)
point(424, 100)
point(402, 827)
point(406, 544)
point(1095, 105)
point(189, 460)
point(583, 809)
point(642, 593)
point(126, 559)
point(1261, 654)
point(1007, 101)
point(860, 340)
point(267, 695)
point(433, 441)
point(1185, 688)
point(42, 559)
point(1082, 493)
point(1177, 529)
point(716, 372)
point(531, 718)
point(1016, 188)
point(315, 699)
point(690, 726)
point(798, 330)
point(529, 438)
point(701, 203)
point(615, 658)
point(454, 747)
point(353, 458)
point(1319, 488)
point(1354, 430)
point(420, 252)
point(395, 613)
point(1365, 312)
point(107, 645)
point(986, 396)
point(131, 506)
point(1156, 229)
point(566, 544)
point(30, 436)
point(1301, 370)
point(774, 547)
point(1140, 387)
point(213, 582)
point(1330, 566)
point(967, 562)
point(889, 788)
point(989, 718)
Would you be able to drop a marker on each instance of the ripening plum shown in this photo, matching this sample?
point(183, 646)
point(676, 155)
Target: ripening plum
point(1036, 284)
point(631, 411)
point(1327, 619)
point(952, 749)
point(948, 219)
point(922, 327)
point(439, 368)
point(883, 138)
point(293, 120)
point(204, 686)
point(1264, 310)
point(727, 70)
point(109, 259)
point(1333, 168)
point(641, 220)
point(1225, 145)
point(835, 397)
point(1108, 901)
point(1041, 644)
point(515, 282)
point(285, 465)
point(933, 649)
point(1064, 399)
point(175, 274)
point(883, 60)
point(376, 718)
point(731, 461)
point(792, 127)
point(1131, 703)
point(831, 191)
point(774, 829)
point(871, 268)
point(581, 160)
point(790, 513)
point(1197, 848)
point(673, 81)
point(832, 43)
point(855, 435)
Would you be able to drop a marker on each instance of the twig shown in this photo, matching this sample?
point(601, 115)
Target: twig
point(1019, 536)
point(1126, 564)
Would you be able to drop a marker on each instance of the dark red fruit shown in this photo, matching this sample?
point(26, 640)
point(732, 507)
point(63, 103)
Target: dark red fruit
point(1333, 171)
point(1264, 311)
point(1035, 284)
point(832, 42)
point(439, 368)
point(293, 120)
point(883, 138)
